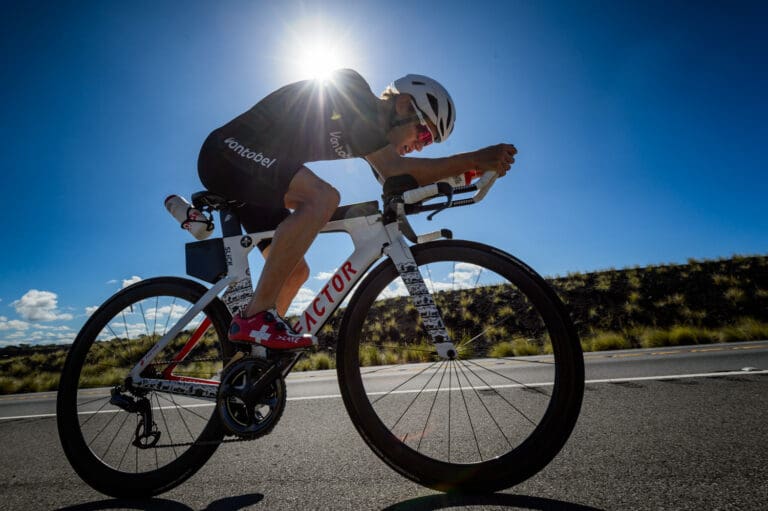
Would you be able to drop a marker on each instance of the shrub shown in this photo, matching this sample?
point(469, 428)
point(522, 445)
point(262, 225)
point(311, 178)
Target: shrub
point(303, 365)
point(501, 350)
point(731, 334)
point(604, 341)
point(752, 330)
point(322, 361)
point(653, 338)
point(9, 385)
point(735, 294)
point(420, 352)
point(523, 347)
point(683, 335)
point(316, 362)
point(369, 355)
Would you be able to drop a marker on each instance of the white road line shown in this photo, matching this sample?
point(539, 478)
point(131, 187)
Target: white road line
point(338, 396)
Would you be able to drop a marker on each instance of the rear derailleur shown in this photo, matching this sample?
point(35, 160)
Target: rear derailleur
point(146, 434)
point(251, 396)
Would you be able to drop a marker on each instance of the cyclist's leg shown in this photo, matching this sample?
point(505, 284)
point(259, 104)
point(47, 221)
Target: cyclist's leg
point(292, 285)
point(257, 218)
point(313, 201)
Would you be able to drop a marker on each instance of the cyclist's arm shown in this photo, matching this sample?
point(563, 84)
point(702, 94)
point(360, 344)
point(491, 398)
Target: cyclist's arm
point(388, 162)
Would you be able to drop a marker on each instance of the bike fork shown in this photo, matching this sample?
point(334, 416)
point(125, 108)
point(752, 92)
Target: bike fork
point(431, 318)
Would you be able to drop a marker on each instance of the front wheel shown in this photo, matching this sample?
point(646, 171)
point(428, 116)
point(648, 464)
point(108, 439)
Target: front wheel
point(497, 413)
point(128, 442)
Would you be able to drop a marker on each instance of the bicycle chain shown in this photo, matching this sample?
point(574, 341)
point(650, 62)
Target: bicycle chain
point(208, 442)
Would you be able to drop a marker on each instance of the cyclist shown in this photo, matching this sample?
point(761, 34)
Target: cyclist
point(259, 158)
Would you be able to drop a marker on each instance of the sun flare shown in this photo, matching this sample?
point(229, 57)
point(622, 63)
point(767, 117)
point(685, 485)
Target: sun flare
point(315, 49)
point(319, 61)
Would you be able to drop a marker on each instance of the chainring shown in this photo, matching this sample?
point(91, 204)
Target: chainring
point(241, 414)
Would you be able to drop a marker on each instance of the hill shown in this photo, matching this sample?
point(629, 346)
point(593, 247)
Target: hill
point(725, 300)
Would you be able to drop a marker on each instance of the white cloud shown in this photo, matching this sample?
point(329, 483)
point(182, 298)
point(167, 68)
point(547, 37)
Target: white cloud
point(21, 332)
point(90, 310)
point(13, 324)
point(113, 281)
point(303, 298)
point(39, 306)
point(325, 275)
point(132, 280)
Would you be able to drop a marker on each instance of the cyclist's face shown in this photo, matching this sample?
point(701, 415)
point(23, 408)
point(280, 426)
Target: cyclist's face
point(410, 136)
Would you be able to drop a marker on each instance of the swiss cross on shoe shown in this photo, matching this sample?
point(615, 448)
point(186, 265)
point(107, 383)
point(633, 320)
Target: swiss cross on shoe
point(268, 329)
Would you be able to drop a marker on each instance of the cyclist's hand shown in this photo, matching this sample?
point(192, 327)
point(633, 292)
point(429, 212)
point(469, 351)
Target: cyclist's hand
point(497, 157)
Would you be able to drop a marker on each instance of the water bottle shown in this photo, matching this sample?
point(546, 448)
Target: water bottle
point(190, 218)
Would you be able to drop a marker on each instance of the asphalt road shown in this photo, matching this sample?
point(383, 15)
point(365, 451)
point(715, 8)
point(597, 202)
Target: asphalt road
point(678, 428)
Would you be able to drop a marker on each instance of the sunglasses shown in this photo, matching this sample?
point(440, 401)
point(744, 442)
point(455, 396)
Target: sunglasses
point(423, 132)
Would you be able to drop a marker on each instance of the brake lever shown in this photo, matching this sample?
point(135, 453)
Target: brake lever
point(446, 190)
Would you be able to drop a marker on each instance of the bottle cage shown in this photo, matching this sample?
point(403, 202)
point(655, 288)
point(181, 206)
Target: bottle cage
point(207, 219)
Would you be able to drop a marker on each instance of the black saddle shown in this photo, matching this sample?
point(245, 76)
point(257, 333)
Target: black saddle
point(212, 201)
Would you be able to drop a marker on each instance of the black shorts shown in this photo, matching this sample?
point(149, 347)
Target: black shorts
point(249, 172)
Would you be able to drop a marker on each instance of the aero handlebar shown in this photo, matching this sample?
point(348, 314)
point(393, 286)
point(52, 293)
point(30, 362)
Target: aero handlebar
point(414, 198)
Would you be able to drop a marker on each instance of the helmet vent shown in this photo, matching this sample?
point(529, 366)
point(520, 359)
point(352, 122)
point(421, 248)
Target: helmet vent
point(433, 103)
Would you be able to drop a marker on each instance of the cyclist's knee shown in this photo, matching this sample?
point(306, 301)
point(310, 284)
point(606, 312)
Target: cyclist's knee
point(326, 199)
point(332, 198)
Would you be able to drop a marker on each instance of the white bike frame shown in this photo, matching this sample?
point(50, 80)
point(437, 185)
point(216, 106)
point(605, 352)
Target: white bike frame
point(371, 237)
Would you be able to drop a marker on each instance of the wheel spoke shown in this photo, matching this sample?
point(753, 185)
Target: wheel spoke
point(450, 390)
point(526, 361)
point(188, 410)
point(127, 446)
point(407, 408)
point(480, 399)
point(466, 407)
point(109, 446)
point(162, 415)
point(405, 382)
point(499, 394)
point(429, 415)
point(102, 429)
point(182, 418)
point(481, 334)
point(517, 382)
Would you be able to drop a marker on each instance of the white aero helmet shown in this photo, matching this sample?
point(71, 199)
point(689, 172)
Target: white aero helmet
point(432, 99)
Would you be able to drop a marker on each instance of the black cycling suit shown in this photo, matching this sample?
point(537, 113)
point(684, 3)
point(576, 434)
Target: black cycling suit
point(254, 157)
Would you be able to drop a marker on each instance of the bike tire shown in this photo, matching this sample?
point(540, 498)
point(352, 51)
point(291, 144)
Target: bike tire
point(82, 448)
point(530, 444)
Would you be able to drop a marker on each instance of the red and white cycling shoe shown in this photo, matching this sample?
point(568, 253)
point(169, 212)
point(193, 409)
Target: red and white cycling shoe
point(268, 329)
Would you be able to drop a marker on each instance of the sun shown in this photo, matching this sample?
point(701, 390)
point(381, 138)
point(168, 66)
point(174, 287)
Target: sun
point(314, 49)
point(319, 60)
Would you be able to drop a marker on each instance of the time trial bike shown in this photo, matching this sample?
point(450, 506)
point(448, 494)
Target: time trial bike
point(457, 363)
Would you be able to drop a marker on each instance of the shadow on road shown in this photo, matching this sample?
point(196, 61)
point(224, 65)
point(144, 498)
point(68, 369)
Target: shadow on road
point(225, 504)
point(434, 502)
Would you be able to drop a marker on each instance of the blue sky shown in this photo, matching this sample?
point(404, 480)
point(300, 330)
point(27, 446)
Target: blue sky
point(640, 128)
